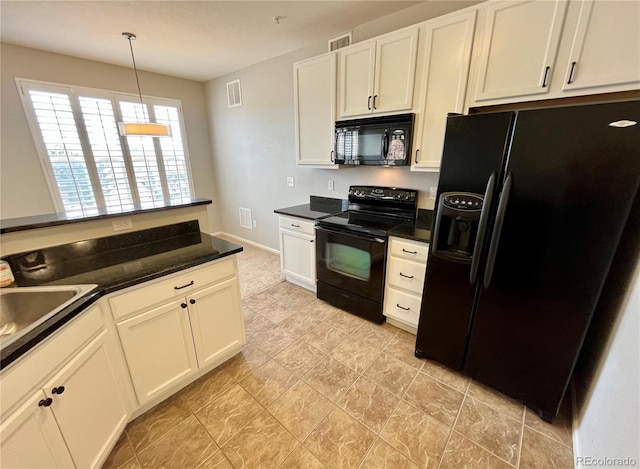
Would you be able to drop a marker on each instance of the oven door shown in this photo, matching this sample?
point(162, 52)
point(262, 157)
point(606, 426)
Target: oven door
point(351, 261)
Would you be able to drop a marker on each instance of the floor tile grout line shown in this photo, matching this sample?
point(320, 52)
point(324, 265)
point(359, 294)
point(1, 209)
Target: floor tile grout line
point(547, 436)
point(453, 425)
point(524, 416)
point(476, 443)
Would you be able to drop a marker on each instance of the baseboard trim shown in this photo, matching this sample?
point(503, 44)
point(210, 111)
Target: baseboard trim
point(242, 240)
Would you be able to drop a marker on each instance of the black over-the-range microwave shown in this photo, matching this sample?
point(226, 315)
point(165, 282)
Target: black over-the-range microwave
point(374, 141)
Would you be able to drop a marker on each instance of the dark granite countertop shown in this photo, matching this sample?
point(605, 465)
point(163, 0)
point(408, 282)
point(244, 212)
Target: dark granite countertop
point(113, 263)
point(54, 219)
point(418, 230)
point(317, 208)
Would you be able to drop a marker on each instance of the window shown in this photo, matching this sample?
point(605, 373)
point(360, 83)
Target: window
point(88, 165)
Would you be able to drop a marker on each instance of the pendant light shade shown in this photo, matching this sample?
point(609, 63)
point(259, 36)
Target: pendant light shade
point(146, 129)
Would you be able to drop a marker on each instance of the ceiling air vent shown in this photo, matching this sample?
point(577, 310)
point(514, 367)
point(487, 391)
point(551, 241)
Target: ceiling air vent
point(340, 42)
point(234, 95)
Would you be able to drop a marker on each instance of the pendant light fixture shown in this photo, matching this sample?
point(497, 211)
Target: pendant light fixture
point(146, 129)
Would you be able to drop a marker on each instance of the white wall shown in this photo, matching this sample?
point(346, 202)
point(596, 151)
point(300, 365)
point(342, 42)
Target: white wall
point(23, 189)
point(254, 145)
point(608, 423)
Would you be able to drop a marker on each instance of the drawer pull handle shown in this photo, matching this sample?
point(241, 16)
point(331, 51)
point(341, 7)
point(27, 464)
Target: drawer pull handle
point(58, 390)
point(409, 252)
point(405, 276)
point(402, 307)
point(183, 305)
point(192, 301)
point(45, 402)
point(295, 226)
point(184, 286)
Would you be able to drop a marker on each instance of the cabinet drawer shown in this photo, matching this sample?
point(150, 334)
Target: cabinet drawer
point(408, 249)
point(163, 290)
point(404, 307)
point(296, 224)
point(406, 275)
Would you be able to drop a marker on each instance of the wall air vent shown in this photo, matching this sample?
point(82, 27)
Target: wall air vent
point(340, 41)
point(234, 95)
point(245, 218)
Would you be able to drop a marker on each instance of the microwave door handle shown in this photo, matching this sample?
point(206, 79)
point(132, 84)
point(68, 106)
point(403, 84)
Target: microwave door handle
point(385, 144)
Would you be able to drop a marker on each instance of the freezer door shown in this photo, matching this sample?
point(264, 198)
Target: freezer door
point(573, 178)
point(472, 157)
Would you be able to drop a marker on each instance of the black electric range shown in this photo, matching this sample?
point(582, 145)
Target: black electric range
point(351, 248)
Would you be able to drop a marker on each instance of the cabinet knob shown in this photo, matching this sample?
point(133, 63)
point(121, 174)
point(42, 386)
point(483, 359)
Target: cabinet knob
point(183, 305)
point(45, 402)
point(192, 301)
point(58, 390)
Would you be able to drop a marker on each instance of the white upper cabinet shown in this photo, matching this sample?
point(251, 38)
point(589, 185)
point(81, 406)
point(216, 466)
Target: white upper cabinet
point(447, 54)
point(519, 48)
point(605, 48)
point(378, 76)
point(315, 100)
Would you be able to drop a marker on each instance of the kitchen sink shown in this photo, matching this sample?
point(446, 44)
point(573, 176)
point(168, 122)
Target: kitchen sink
point(24, 308)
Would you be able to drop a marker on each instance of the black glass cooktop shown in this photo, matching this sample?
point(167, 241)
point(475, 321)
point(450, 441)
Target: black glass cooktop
point(363, 222)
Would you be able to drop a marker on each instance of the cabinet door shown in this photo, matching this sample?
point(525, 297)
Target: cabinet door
point(356, 79)
point(606, 46)
point(444, 84)
point(298, 256)
point(30, 438)
point(86, 404)
point(216, 321)
point(519, 48)
point(159, 349)
point(395, 71)
point(314, 98)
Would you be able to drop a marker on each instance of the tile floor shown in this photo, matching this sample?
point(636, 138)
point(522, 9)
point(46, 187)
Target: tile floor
point(316, 387)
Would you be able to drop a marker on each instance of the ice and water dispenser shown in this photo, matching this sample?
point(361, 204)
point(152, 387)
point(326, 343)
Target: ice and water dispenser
point(456, 227)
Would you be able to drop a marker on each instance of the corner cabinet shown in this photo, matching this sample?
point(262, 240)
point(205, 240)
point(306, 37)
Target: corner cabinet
point(196, 324)
point(73, 417)
point(448, 42)
point(378, 76)
point(314, 94)
point(298, 251)
point(406, 267)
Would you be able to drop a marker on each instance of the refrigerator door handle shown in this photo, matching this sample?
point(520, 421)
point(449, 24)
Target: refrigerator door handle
point(482, 228)
point(497, 229)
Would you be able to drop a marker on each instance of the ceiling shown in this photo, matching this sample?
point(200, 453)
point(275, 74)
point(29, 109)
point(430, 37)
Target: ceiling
point(199, 40)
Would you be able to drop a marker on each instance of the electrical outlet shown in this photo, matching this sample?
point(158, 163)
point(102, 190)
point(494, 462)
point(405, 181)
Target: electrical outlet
point(121, 225)
point(254, 223)
point(290, 181)
point(432, 192)
point(330, 185)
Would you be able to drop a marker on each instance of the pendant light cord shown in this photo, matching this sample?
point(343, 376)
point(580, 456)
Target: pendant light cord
point(131, 36)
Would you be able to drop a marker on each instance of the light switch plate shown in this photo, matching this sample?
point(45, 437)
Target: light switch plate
point(289, 181)
point(432, 192)
point(330, 185)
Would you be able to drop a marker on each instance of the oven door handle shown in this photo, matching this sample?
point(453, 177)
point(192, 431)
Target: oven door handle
point(353, 234)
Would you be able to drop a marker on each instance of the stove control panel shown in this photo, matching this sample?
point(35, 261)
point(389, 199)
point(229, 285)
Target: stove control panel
point(369, 193)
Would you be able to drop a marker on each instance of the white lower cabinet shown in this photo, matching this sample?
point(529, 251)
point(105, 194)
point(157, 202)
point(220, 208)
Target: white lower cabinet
point(74, 417)
point(65, 403)
point(30, 438)
point(298, 251)
point(406, 267)
point(167, 344)
point(159, 349)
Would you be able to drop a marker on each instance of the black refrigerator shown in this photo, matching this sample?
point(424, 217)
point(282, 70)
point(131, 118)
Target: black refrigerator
point(529, 212)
